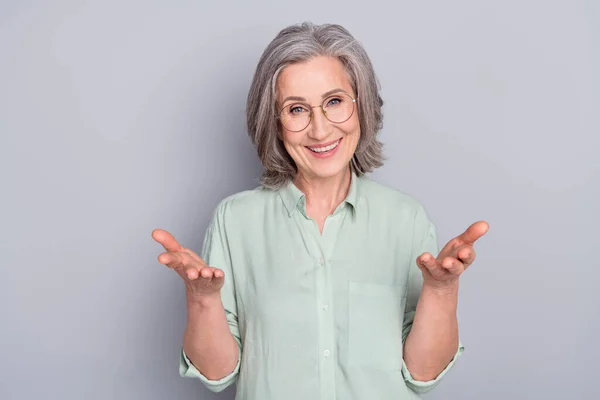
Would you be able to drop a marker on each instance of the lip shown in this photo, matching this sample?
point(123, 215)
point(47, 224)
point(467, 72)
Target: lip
point(330, 153)
point(324, 144)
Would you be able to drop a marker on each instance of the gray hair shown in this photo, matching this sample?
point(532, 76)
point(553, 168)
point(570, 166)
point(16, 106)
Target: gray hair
point(300, 43)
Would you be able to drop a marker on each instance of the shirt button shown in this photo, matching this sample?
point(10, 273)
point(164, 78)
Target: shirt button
point(325, 306)
point(321, 261)
point(326, 353)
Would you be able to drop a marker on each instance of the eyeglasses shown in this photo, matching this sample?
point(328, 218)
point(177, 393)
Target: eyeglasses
point(337, 108)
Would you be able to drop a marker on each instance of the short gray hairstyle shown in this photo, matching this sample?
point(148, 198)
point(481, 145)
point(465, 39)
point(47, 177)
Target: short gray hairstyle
point(299, 43)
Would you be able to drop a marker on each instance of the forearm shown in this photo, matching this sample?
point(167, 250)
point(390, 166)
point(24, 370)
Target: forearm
point(433, 339)
point(207, 340)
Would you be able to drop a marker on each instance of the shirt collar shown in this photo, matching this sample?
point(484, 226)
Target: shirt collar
point(293, 198)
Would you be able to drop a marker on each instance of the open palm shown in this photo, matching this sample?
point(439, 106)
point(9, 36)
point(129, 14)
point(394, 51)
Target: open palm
point(456, 256)
point(200, 279)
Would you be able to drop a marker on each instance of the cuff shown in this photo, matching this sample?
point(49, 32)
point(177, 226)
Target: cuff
point(188, 370)
point(426, 386)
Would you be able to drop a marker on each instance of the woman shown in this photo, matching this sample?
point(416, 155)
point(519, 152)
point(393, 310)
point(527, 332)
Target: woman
point(320, 284)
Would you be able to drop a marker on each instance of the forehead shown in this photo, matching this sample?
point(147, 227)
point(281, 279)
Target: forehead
point(312, 78)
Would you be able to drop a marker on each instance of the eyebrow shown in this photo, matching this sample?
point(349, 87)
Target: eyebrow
point(297, 98)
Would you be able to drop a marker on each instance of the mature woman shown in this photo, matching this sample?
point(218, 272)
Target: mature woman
point(319, 284)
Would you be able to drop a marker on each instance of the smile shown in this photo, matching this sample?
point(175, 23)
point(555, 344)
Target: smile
point(325, 149)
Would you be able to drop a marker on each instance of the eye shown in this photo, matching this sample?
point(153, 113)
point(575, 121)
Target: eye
point(297, 109)
point(334, 101)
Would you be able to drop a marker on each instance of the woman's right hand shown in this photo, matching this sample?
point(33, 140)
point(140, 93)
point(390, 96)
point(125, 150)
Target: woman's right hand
point(202, 281)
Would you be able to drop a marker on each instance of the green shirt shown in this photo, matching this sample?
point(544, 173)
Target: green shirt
point(320, 316)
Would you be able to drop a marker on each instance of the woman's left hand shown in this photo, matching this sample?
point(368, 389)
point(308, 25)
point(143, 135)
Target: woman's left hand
point(443, 271)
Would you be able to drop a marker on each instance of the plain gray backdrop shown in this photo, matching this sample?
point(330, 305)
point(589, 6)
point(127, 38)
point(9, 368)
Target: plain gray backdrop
point(118, 117)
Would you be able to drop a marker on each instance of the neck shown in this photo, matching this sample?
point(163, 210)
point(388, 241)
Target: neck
point(323, 195)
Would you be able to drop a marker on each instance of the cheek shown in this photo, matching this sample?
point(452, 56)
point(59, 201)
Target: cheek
point(356, 124)
point(352, 128)
point(353, 125)
point(352, 138)
point(290, 140)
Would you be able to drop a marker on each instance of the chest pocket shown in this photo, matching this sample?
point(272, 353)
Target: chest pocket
point(376, 313)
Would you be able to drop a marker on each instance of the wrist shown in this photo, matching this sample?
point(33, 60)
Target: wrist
point(202, 302)
point(445, 289)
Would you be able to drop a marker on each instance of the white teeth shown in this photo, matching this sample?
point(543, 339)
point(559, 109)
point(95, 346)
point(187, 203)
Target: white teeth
point(326, 148)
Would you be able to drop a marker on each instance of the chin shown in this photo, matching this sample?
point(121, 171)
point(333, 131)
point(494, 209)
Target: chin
point(330, 171)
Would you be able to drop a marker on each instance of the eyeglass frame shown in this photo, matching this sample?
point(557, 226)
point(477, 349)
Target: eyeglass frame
point(311, 107)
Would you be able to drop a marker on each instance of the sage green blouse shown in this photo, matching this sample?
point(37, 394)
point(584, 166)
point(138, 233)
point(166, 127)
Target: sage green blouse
point(320, 316)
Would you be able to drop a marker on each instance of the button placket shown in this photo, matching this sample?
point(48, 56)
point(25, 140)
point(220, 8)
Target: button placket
point(322, 248)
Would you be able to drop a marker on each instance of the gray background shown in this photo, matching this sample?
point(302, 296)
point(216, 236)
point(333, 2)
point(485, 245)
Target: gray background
point(117, 117)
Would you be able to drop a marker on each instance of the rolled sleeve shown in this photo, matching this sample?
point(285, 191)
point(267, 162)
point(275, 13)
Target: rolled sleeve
point(188, 370)
point(426, 386)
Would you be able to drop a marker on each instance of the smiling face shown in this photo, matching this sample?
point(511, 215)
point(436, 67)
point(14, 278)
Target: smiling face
point(323, 149)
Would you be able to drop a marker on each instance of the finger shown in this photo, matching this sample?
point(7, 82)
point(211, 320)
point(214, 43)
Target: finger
point(166, 240)
point(206, 273)
point(466, 255)
point(473, 232)
point(180, 261)
point(192, 273)
point(212, 273)
point(218, 274)
point(452, 265)
point(426, 260)
point(173, 260)
point(209, 274)
point(193, 255)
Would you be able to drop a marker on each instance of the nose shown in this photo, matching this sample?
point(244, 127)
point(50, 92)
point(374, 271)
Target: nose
point(320, 126)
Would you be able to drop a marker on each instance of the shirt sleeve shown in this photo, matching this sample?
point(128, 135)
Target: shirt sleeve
point(188, 370)
point(424, 240)
point(215, 252)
